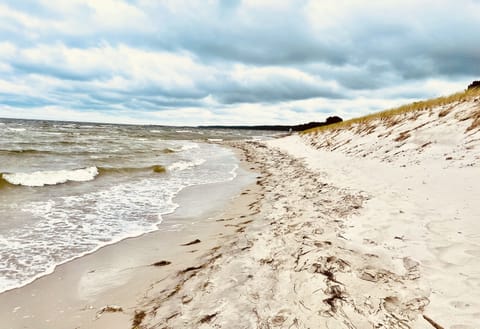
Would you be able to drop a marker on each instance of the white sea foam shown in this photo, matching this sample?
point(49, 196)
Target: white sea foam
point(188, 147)
point(233, 172)
point(183, 165)
point(42, 178)
point(72, 226)
point(17, 129)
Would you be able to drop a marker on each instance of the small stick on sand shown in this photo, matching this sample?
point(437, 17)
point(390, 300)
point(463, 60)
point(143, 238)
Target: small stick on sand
point(433, 323)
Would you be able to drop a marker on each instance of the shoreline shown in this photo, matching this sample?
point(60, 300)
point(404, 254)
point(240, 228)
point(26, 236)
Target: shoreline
point(188, 198)
point(319, 240)
point(79, 289)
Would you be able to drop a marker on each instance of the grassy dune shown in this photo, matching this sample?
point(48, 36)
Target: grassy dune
point(390, 117)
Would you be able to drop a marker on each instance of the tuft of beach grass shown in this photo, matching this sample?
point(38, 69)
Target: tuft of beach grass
point(390, 117)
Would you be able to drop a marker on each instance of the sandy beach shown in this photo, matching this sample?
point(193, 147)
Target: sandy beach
point(88, 292)
point(239, 164)
point(325, 238)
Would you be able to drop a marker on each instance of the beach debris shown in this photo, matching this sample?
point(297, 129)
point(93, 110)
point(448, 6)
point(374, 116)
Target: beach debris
point(175, 290)
point(191, 242)
point(171, 316)
point(137, 319)
point(207, 318)
point(336, 293)
point(109, 309)
point(162, 263)
point(192, 268)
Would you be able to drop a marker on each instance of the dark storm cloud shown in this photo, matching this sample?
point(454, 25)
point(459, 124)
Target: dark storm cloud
point(273, 91)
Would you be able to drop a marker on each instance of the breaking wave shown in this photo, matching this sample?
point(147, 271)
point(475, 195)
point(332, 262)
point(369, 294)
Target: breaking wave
point(183, 165)
point(55, 177)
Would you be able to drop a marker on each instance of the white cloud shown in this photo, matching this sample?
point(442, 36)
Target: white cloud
point(124, 65)
point(7, 50)
point(8, 87)
point(26, 20)
point(250, 61)
point(114, 13)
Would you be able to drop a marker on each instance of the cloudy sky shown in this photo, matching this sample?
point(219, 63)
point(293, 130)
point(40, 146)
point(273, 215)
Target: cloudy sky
point(230, 61)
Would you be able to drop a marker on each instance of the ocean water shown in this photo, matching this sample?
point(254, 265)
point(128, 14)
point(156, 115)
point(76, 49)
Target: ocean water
point(67, 189)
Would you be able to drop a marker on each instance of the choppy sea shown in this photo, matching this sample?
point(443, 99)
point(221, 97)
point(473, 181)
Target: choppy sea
point(67, 189)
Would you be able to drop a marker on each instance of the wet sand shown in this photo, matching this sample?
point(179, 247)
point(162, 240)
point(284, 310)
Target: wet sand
point(103, 289)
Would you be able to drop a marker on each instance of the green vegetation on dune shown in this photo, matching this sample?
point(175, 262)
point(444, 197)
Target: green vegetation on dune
point(388, 115)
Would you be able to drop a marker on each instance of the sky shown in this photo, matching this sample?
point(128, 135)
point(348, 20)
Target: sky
point(178, 62)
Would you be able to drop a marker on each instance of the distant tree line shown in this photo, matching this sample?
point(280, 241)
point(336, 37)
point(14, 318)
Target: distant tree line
point(301, 127)
point(474, 84)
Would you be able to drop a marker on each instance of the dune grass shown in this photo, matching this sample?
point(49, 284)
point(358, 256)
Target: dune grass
point(388, 116)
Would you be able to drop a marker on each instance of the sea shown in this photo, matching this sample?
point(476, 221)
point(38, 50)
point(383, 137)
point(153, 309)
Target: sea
point(68, 188)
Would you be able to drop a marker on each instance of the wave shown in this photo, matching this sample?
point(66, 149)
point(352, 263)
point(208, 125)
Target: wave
point(28, 151)
point(154, 168)
point(188, 147)
point(182, 165)
point(54, 177)
point(168, 150)
point(4, 183)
